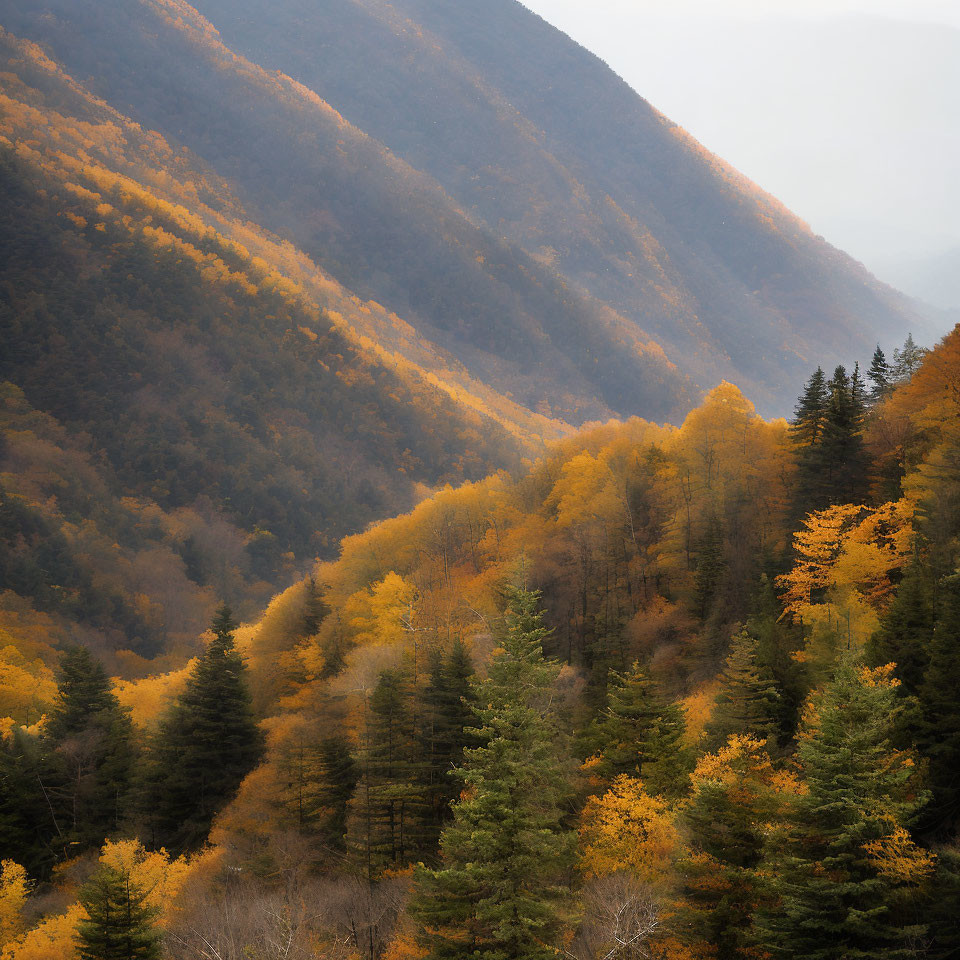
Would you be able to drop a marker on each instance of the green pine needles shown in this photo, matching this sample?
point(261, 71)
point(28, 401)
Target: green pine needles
point(498, 894)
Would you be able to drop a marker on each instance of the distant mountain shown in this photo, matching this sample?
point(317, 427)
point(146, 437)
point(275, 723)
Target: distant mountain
point(934, 279)
point(494, 184)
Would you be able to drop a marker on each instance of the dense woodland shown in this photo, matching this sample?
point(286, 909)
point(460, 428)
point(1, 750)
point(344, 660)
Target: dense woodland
point(675, 692)
point(681, 687)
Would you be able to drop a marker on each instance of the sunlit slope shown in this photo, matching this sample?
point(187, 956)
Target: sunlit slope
point(187, 384)
point(381, 227)
point(537, 138)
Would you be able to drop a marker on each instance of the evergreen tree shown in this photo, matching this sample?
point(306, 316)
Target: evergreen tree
point(726, 819)
point(89, 737)
point(640, 734)
point(906, 630)
point(842, 454)
point(30, 830)
point(748, 701)
point(119, 924)
point(332, 784)
point(811, 411)
point(833, 896)
point(388, 811)
point(941, 906)
point(777, 640)
point(827, 433)
point(880, 375)
point(859, 397)
point(711, 563)
point(907, 360)
point(206, 745)
point(939, 738)
point(498, 893)
point(446, 721)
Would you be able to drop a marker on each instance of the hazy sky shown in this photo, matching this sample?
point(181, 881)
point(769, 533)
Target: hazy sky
point(847, 110)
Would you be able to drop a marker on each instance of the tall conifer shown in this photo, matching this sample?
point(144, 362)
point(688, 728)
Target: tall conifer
point(640, 734)
point(833, 895)
point(119, 924)
point(498, 892)
point(90, 739)
point(748, 702)
point(206, 745)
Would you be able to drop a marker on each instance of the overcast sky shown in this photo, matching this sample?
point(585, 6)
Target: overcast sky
point(847, 110)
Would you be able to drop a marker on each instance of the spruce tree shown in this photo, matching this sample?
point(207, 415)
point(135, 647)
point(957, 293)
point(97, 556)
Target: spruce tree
point(842, 455)
point(386, 826)
point(807, 430)
point(831, 898)
point(725, 820)
point(939, 738)
point(640, 734)
point(880, 375)
point(119, 924)
point(907, 360)
point(206, 745)
point(333, 778)
point(89, 738)
point(445, 723)
point(811, 411)
point(906, 630)
point(748, 702)
point(31, 832)
point(711, 563)
point(499, 890)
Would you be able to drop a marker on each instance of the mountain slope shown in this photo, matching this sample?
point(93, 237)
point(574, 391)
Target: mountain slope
point(535, 136)
point(187, 419)
point(520, 206)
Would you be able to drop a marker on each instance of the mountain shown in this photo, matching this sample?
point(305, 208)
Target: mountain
point(182, 418)
point(492, 183)
point(267, 281)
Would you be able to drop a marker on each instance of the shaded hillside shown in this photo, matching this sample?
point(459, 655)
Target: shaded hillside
point(377, 225)
point(535, 137)
point(180, 398)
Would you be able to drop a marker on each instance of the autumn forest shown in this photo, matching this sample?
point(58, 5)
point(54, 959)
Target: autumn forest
point(510, 538)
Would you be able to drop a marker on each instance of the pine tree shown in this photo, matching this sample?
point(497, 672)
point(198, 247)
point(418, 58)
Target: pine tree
point(386, 825)
point(842, 454)
point(748, 701)
point(811, 411)
point(119, 925)
point(91, 738)
point(906, 630)
point(711, 563)
point(726, 816)
point(880, 375)
point(907, 360)
point(640, 734)
point(206, 745)
point(333, 779)
point(834, 894)
point(498, 893)
point(30, 830)
point(445, 723)
point(939, 738)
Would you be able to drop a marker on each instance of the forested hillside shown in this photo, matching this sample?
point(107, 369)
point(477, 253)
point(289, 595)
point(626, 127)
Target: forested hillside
point(189, 410)
point(494, 185)
point(679, 692)
point(394, 564)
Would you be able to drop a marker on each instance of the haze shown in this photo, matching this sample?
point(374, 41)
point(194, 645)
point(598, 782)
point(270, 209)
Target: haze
point(846, 111)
